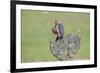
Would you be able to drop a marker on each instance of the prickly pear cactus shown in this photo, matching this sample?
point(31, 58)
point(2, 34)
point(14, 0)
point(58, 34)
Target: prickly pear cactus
point(65, 48)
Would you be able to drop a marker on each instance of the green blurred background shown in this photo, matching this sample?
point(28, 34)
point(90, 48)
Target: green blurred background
point(36, 34)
